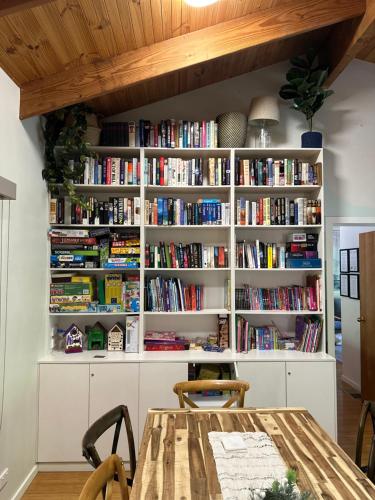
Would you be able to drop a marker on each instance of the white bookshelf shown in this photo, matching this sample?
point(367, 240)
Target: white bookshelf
point(202, 322)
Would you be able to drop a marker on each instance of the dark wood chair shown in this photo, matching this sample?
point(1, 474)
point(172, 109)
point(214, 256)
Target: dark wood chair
point(102, 479)
point(368, 408)
point(115, 418)
point(238, 387)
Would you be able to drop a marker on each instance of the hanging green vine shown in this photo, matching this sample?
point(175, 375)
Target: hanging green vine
point(65, 129)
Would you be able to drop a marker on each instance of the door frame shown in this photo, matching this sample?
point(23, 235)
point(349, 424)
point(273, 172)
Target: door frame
point(330, 222)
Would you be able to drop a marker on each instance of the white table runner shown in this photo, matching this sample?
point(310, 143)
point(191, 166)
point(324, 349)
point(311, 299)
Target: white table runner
point(243, 474)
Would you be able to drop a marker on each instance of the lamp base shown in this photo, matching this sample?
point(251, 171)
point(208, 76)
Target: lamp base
point(263, 137)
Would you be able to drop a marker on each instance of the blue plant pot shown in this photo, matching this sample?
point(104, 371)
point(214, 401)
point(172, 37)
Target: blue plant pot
point(311, 140)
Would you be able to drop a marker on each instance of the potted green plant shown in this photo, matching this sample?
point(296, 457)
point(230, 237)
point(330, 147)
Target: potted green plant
point(66, 147)
point(305, 88)
point(283, 490)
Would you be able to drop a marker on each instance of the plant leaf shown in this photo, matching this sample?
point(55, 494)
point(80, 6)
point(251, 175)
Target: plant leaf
point(294, 73)
point(300, 62)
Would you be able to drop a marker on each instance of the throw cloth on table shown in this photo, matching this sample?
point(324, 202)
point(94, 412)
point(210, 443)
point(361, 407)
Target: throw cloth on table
point(243, 474)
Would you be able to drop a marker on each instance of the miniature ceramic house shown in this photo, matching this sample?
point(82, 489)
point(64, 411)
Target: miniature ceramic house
point(96, 337)
point(116, 338)
point(73, 339)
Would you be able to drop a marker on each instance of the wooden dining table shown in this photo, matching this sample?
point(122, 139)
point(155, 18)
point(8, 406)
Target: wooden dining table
point(176, 459)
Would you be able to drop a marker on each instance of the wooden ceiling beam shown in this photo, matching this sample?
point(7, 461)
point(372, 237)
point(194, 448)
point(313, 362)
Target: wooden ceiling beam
point(92, 80)
point(12, 6)
point(347, 40)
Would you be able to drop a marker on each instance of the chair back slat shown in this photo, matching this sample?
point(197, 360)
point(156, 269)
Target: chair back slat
point(102, 479)
point(238, 387)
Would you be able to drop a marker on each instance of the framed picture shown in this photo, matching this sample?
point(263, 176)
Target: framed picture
point(344, 285)
point(353, 260)
point(344, 263)
point(354, 286)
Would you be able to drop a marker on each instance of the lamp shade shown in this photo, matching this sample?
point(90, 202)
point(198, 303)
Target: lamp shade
point(264, 109)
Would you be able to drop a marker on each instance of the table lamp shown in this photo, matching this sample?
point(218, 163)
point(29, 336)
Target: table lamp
point(263, 113)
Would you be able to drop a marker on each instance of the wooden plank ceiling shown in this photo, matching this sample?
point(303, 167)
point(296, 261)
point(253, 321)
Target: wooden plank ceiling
point(60, 37)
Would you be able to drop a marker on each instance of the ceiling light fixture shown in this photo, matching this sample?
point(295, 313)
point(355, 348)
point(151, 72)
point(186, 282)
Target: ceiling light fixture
point(200, 3)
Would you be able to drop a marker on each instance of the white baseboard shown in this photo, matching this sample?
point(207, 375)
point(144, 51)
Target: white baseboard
point(351, 382)
point(25, 483)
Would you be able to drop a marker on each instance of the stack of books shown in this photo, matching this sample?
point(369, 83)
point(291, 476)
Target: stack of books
point(171, 211)
point(73, 249)
point(111, 171)
point(284, 298)
point(164, 341)
point(166, 134)
point(74, 295)
point(195, 172)
point(260, 338)
point(308, 333)
point(259, 255)
point(117, 210)
point(302, 251)
point(172, 295)
point(185, 256)
point(278, 211)
point(124, 253)
point(271, 172)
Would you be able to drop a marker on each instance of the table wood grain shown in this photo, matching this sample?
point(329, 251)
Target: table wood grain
point(176, 460)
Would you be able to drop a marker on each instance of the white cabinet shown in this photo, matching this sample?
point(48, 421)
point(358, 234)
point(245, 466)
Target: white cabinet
point(63, 411)
point(156, 387)
point(112, 384)
point(267, 383)
point(312, 385)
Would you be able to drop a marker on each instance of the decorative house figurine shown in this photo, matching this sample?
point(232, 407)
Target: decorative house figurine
point(95, 337)
point(73, 339)
point(116, 338)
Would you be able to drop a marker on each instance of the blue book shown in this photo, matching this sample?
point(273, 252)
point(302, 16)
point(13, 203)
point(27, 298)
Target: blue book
point(303, 263)
point(55, 259)
point(96, 178)
point(165, 211)
point(160, 211)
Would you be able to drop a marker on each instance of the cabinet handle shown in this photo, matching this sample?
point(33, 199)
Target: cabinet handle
point(92, 374)
point(289, 373)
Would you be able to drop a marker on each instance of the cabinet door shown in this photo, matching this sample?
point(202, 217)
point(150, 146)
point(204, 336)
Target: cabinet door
point(112, 384)
point(312, 385)
point(156, 387)
point(267, 383)
point(63, 411)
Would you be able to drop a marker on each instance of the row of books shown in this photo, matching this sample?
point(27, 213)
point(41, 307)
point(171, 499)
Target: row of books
point(117, 210)
point(195, 172)
point(166, 134)
point(172, 211)
point(260, 338)
point(283, 298)
point(308, 330)
point(111, 171)
point(185, 256)
point(259, 255)
point(72, 293)
point(172, 295)
point(278, 211)
point(271, 172)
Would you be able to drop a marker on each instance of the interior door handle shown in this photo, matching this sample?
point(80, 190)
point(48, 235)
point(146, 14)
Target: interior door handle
point(361, 319)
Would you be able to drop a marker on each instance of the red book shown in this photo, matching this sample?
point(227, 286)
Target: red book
point(221, 259)
point(73, 241)
point(130, 172)
point(193, 298)
point(108, 162)
point(173, 254)
point(161, 178)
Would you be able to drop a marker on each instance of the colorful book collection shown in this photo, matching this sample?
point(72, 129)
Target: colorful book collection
point(278, 211)
point(260, 338)
point(172, 295)
point(115, 211)
point(166, 134)
point(94, 248)
point(308, 330)
point(284, 298)
point(271, 172)
point(303, 254)
point(111, 171)
point(195, 172)
point(164, 341)
point(172, 211)
point(84, 294)
point(259, 255)
point(185, 256)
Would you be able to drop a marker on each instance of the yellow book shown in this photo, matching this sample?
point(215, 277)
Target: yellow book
point(269, 256)
point(83, 279)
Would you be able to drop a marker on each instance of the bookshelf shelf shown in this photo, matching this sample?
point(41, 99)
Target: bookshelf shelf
point(214, 280)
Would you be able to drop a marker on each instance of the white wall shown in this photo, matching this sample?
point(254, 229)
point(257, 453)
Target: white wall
point(347, 121)
point(350, 311)
point(21, 162)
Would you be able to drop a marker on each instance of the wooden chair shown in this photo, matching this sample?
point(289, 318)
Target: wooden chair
point(239, 387)
point(98, 428)
point(368, 407)
point(102, 479)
